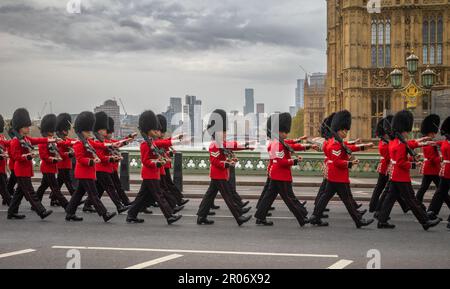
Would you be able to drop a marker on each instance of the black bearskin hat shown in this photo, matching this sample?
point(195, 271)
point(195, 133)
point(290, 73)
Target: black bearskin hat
point(217, 121)
point(2, 124)
point(380, 132)
point(162, 123)
point(341, 120)
point(430, 124)
point(285, 122)
point(445, 128)
point(48, 124)
point(148, 121)
point(269, 126)
point(101, 121)
point(21, 118)
point(63, 122)
point(110, 125)
point(84, 122)
point(326, 126)
point(403, 121)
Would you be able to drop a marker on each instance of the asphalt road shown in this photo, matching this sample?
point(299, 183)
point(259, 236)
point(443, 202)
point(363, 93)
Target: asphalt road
point(32, 243)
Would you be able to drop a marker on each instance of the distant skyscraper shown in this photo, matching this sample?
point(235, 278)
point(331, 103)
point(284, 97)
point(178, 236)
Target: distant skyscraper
point(260, 108)
point(249, 101)
point(293, 111)
point(175, 107)
point(300, 93)
point(112, 109)
point(193, 108)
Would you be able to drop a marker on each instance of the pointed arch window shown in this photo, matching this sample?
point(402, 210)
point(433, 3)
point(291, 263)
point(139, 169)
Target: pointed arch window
point(432, 36)
point(381, 43)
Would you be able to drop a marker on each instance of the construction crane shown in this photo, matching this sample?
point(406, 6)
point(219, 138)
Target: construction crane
point(123, 106)
point(40, 114)
point(306, 72)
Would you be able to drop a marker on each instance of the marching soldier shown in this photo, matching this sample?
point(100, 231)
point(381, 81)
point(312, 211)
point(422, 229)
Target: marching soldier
point(441, 194)
point(4, 144)
point(12, 181)
point(63, 126)
point(400, 185)
point(220, 150)
point(339, 162)
point(104, 168)
point(432, 159)
point(22, 152)
point(86, 156)
point(280, 172)
point(115, 175)
point(50, 156)
point(152, 161)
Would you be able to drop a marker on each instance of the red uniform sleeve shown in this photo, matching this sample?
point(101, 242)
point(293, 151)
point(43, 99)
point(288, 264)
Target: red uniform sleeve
point(163, 143)
point(38, 140)
point(297, 147)
point(234, 146)
point(103, 153)
point(279, 157)
point(16, 150)
point(353, 148)
point(145, 157)
point(413, 144)
point(96, 144)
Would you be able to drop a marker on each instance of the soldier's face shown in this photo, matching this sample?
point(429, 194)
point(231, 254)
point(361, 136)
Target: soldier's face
point(283, 135)
point(103, 132)
point(343, 133)
point(153, 133)
point(432, 135)
point(25, 130)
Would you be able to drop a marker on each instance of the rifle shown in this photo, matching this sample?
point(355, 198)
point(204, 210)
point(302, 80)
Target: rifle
point(23, 143)
point(87, 145)
point(63, 137)
point(288, 148)
point(157, 151)
point(53, 149)
point(340, 140)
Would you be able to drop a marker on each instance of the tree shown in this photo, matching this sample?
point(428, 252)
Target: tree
point(297, 125)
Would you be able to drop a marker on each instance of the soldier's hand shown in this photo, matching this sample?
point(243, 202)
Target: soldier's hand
point(52, 140)
point(315, 147)
point(355, 162)
point(97, 160)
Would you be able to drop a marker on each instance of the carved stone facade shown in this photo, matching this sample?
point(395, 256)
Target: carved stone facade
point(360, 58)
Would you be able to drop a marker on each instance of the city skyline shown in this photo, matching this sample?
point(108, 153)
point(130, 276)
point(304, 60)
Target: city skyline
point(74, 61)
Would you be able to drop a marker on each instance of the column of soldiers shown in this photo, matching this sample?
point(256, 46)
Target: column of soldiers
point(97, 156)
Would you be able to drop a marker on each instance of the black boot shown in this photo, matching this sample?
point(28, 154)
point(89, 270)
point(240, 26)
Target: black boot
point(324, 216)
point(54, 203)
point(431, 224)
point(45, 214)
point(243, 219)
point(245, 204)
point(304, 203)
point(316, 221)
point(74, 218)
point(358, 206)
point(172, 219)
point(108, 216)
point(134, 220)
point(204, 220)
point(89, 209)
point(146, 211)
point(385, 225)
point(15, 216)
point(362, 212)
point(245, 210)
point(211, 213)
point(432, 216)
point(364, 223)
point(264, 222)
point(215, 207)
point(184, 202)
point(272, 209)
point(177, 209)
point(269, 214)
point(326, 210)
point(122, 209)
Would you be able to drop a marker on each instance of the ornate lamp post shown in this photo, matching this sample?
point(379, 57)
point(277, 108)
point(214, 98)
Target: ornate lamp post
point(412, 91)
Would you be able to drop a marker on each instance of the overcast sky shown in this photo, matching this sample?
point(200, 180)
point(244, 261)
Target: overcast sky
point(147, 51)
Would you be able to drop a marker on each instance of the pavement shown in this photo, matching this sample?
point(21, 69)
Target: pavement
point(54, 243)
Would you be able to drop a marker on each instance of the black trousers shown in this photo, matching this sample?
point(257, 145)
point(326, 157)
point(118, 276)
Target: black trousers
point(104, 183)
point(378, 190)
point(426, 182)
point(12, 181)
point(264, 192)
point(404, 191)
point(401, 202)
point(321, 191)
point(284, 189)
point(49, 181)
point(344, 193)
point(25, 188)
point(215, 186)
point(64, 179)
point(86, 186)
point(168, 195)
point(4, 190)
point(440, 196)
point(150, 189)
point(120, 191)
point(172, 187)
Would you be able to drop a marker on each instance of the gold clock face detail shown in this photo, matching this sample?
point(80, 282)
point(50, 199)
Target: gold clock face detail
point(412, 92)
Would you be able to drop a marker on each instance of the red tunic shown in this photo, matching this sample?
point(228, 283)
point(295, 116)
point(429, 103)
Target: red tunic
point(150, 170)
point(85, 166)
point(383, 149)
point(401, 164)
point(64, 150)
point(338, 161)
point(218, 170)
point(106, 160)
point(4, 144)
point(23, 167)
point(48, 166)
point(282, 161)
point(432, 161)
point(445, 166)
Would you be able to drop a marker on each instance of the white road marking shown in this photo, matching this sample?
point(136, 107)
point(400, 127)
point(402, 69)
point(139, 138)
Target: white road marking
point(341, 264)
point(17, 253)
point(197, 251)
point(155, 261)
